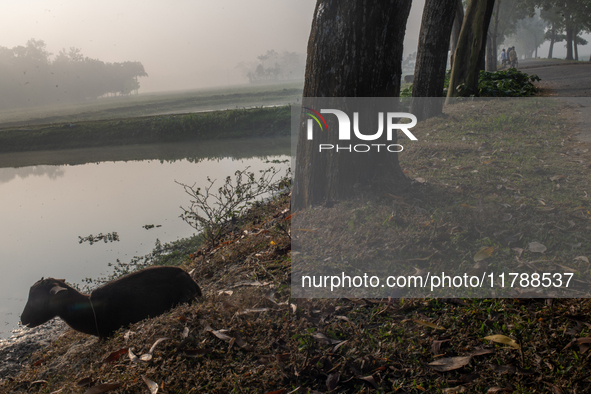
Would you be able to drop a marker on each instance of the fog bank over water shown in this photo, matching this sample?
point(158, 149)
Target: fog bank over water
point(182, 44)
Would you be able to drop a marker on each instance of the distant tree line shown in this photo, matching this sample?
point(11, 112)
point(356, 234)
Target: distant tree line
point(531, 22)
point(273, 66)
point(29, 77)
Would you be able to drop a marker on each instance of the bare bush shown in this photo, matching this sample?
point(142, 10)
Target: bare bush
point(211, 211)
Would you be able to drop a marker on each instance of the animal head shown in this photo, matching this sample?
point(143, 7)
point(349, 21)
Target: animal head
point(44, 298)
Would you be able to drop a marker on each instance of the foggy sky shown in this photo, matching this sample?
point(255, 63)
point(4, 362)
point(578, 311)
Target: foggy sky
point(182, 44)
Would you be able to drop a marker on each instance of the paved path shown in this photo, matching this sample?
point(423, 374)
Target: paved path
point(571, 82)
point(565, 79)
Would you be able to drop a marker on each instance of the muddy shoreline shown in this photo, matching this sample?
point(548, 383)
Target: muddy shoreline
point(16, 350)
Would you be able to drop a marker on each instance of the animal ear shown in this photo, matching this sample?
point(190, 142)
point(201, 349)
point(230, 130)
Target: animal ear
point(56, 289)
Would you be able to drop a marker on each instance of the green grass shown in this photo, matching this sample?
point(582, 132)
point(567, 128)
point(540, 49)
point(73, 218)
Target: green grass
point(238, 123)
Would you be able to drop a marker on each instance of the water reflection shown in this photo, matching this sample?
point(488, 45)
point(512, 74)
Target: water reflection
point(47, 206)
point(52, 172)
point(194, 152)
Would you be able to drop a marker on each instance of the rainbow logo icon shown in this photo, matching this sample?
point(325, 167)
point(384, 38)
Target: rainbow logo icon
point(315, 115)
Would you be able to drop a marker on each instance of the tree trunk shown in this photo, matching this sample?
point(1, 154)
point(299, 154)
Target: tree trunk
point(354, 50)
point(471, 47)
point(491, 54)
point(551, 50)
point(493, 33)
point(434, 37)
point(569, 43)
point(455, 31)
point(576, 48)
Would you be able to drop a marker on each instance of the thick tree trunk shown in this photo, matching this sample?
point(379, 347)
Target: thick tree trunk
point(471, 47)
point(455, 30)
point(434, 37)
point(551, 50)
point(354, 50)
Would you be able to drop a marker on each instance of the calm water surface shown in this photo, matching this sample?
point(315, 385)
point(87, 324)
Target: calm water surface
point(46, 207)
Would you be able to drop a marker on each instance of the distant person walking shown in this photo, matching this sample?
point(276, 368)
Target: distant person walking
point(503, 57)
point(513, 57)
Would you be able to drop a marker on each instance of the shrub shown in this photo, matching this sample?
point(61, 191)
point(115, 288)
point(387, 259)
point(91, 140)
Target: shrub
point(210, 212)
point(507, 83)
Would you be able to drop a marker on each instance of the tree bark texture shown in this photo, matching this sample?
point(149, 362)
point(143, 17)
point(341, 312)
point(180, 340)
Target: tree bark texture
point(471, 49)
point(434, 38)
point(354, 50)
point(455, 31)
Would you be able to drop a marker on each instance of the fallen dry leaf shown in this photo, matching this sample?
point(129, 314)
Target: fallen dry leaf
point(498, 389)
point(324, 340)
point(504, 340)
point(152, 386)
point(115, 356)
point(132, 356)
point(370, 379)
point(536, 247)
point(221, 334)
point(148, 356)
point(338, 346)
point(427, 324)
point(449, 363)
point(484, 253)
point(85, 382)
point(454, 390)
point(332, 381)
point(482, 352)
point(436, 345)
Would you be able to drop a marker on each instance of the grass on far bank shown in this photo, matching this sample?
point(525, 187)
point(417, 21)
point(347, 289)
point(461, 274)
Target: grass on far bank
point(236, 123)
point(247, 335)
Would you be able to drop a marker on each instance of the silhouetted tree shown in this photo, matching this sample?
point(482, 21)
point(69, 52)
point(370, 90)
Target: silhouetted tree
point(29, 77)
point(429, 76)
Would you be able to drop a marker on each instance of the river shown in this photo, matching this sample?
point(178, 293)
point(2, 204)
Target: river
point(50, 200)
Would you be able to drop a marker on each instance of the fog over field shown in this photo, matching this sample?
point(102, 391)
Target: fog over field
point(181, 44)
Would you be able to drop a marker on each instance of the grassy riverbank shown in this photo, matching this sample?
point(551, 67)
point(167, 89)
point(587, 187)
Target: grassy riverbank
point(236, 123)
point(481, 179)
